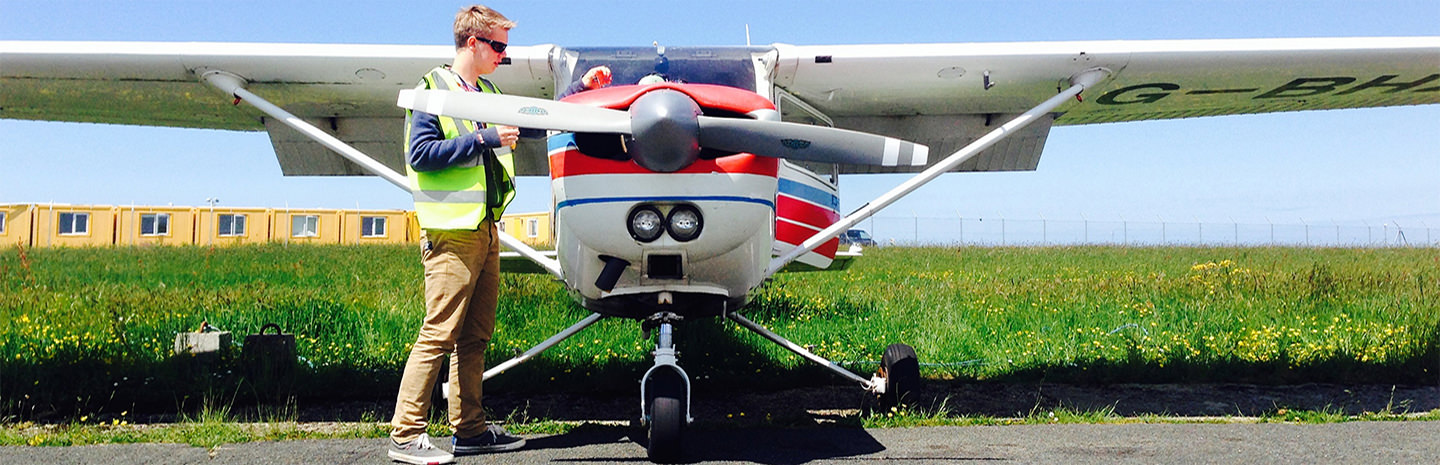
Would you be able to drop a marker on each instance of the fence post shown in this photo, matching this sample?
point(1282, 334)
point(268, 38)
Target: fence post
point(1124, 232)
point(1043, 236)
point(917, 226)
point(1163, 241)
point(1002, 231)
point(962, 228)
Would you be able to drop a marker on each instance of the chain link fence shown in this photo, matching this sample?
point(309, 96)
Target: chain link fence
point(997, 231)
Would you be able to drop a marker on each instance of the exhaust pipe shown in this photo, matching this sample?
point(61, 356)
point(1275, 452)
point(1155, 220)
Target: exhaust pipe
point(611, 274)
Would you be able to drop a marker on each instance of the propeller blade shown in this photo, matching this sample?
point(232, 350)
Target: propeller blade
point(793, 141)
point(513, 110)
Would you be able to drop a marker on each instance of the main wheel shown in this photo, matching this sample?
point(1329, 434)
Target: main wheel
point(667, 418)
point(901, 369)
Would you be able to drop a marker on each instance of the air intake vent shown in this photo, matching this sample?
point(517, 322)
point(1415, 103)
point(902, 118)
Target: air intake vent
point(664, 267)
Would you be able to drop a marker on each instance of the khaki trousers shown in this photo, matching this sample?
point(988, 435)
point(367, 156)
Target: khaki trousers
point(462, 286)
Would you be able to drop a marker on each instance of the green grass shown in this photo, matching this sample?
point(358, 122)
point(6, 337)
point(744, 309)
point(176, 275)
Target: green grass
point(88, 332)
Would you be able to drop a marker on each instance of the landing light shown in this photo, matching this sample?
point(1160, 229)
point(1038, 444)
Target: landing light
point(646, 224)
point(685, 223)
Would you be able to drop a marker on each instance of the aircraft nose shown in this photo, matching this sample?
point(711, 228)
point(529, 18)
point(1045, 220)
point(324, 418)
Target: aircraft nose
point(665, 131)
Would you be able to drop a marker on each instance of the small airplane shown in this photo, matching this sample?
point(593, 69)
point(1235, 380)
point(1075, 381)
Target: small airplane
point(678, 199)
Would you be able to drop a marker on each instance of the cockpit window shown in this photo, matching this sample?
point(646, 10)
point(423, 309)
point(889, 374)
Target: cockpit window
point(727, 66)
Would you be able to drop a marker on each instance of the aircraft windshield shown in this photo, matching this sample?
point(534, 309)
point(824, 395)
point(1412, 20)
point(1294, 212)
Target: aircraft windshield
point(728, 66)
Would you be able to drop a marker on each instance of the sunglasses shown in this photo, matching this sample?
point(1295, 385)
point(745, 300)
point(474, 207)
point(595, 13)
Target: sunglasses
point(497, 46)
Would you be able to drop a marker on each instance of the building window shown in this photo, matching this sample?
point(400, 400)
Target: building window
point(2, 222)
point(372, 226)
point(305, 226)
point(155, 224)
point(74, 224)
point(532, 227)
point(232, 225)
point(500, 225)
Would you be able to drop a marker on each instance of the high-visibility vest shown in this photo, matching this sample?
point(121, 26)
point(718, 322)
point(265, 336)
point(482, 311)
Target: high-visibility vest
point(460, 196)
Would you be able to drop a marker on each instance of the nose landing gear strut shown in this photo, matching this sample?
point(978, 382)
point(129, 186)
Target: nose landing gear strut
point(664, 393)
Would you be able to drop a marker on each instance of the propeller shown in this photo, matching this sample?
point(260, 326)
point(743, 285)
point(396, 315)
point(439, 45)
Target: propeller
point(666, 130)
point(525, 112)
point(793, 141)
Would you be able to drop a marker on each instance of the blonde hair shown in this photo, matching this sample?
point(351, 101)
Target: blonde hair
point(478, 20)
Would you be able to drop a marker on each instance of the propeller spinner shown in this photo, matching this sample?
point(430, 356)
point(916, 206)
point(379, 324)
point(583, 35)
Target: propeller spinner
point(664, 131)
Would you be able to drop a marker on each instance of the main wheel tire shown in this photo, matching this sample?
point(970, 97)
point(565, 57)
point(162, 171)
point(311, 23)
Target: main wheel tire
point(902, 374)
point(667, 420)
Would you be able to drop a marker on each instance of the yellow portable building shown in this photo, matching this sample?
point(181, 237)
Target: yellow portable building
point(531, 228)
point(17, 223)
point(374, 227)
point(148, 225)
point(322, 226)
point(74, 225)
point(412, 226)
point(231, 225)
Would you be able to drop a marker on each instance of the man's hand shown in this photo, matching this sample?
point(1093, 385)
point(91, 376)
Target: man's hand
point(508, 135)
point(596, 77)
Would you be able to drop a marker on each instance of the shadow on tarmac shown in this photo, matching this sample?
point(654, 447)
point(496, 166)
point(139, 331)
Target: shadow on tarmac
point(767, 446)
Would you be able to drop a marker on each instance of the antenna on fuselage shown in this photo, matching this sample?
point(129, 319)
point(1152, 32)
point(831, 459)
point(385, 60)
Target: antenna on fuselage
point(747, 34)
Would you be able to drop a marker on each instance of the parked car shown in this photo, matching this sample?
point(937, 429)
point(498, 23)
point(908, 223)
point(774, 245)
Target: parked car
point(857, 237)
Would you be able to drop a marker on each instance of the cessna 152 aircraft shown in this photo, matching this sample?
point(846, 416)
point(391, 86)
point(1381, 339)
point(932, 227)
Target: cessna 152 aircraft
point(677, 200)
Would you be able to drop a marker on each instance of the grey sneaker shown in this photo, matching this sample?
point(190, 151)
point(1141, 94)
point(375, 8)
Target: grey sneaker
point(419, 452)
point(494, 439)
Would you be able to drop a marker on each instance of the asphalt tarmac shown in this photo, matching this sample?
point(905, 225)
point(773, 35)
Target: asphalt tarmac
point(1343, 443)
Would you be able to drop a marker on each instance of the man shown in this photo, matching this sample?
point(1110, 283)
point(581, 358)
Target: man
point(461, 174)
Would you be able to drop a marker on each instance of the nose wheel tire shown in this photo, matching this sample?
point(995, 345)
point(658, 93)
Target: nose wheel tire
point(901, 369)
point(667, 420)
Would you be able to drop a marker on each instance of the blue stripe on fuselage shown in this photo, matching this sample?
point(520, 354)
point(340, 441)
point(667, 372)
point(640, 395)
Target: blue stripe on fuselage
point(559, 141)
point(713, 198)
point(809, 193)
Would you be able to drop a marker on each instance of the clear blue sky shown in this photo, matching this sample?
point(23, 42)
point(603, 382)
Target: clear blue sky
point(1374, 165)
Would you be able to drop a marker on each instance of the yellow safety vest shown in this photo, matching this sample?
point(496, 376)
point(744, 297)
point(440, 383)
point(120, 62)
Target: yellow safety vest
point(460, 196)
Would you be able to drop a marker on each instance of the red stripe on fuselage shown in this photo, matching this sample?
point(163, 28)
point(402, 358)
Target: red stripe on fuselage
point(705, 95)
point(791, 233)
point(804, 212)
point(573, 163)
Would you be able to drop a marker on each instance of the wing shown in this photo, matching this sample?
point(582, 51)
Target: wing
point(940, 95)
point(946, 95)
point(348, 90)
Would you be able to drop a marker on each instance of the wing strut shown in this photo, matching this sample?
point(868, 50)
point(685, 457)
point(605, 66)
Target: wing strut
point(1078, 83)
point(235, 86)
point(868, 384)
point(546, 344)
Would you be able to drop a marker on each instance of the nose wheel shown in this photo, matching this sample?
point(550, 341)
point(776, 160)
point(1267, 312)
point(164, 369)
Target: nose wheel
point(667, 423)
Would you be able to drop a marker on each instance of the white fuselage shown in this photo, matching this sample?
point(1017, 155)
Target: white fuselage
point(724, 262)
